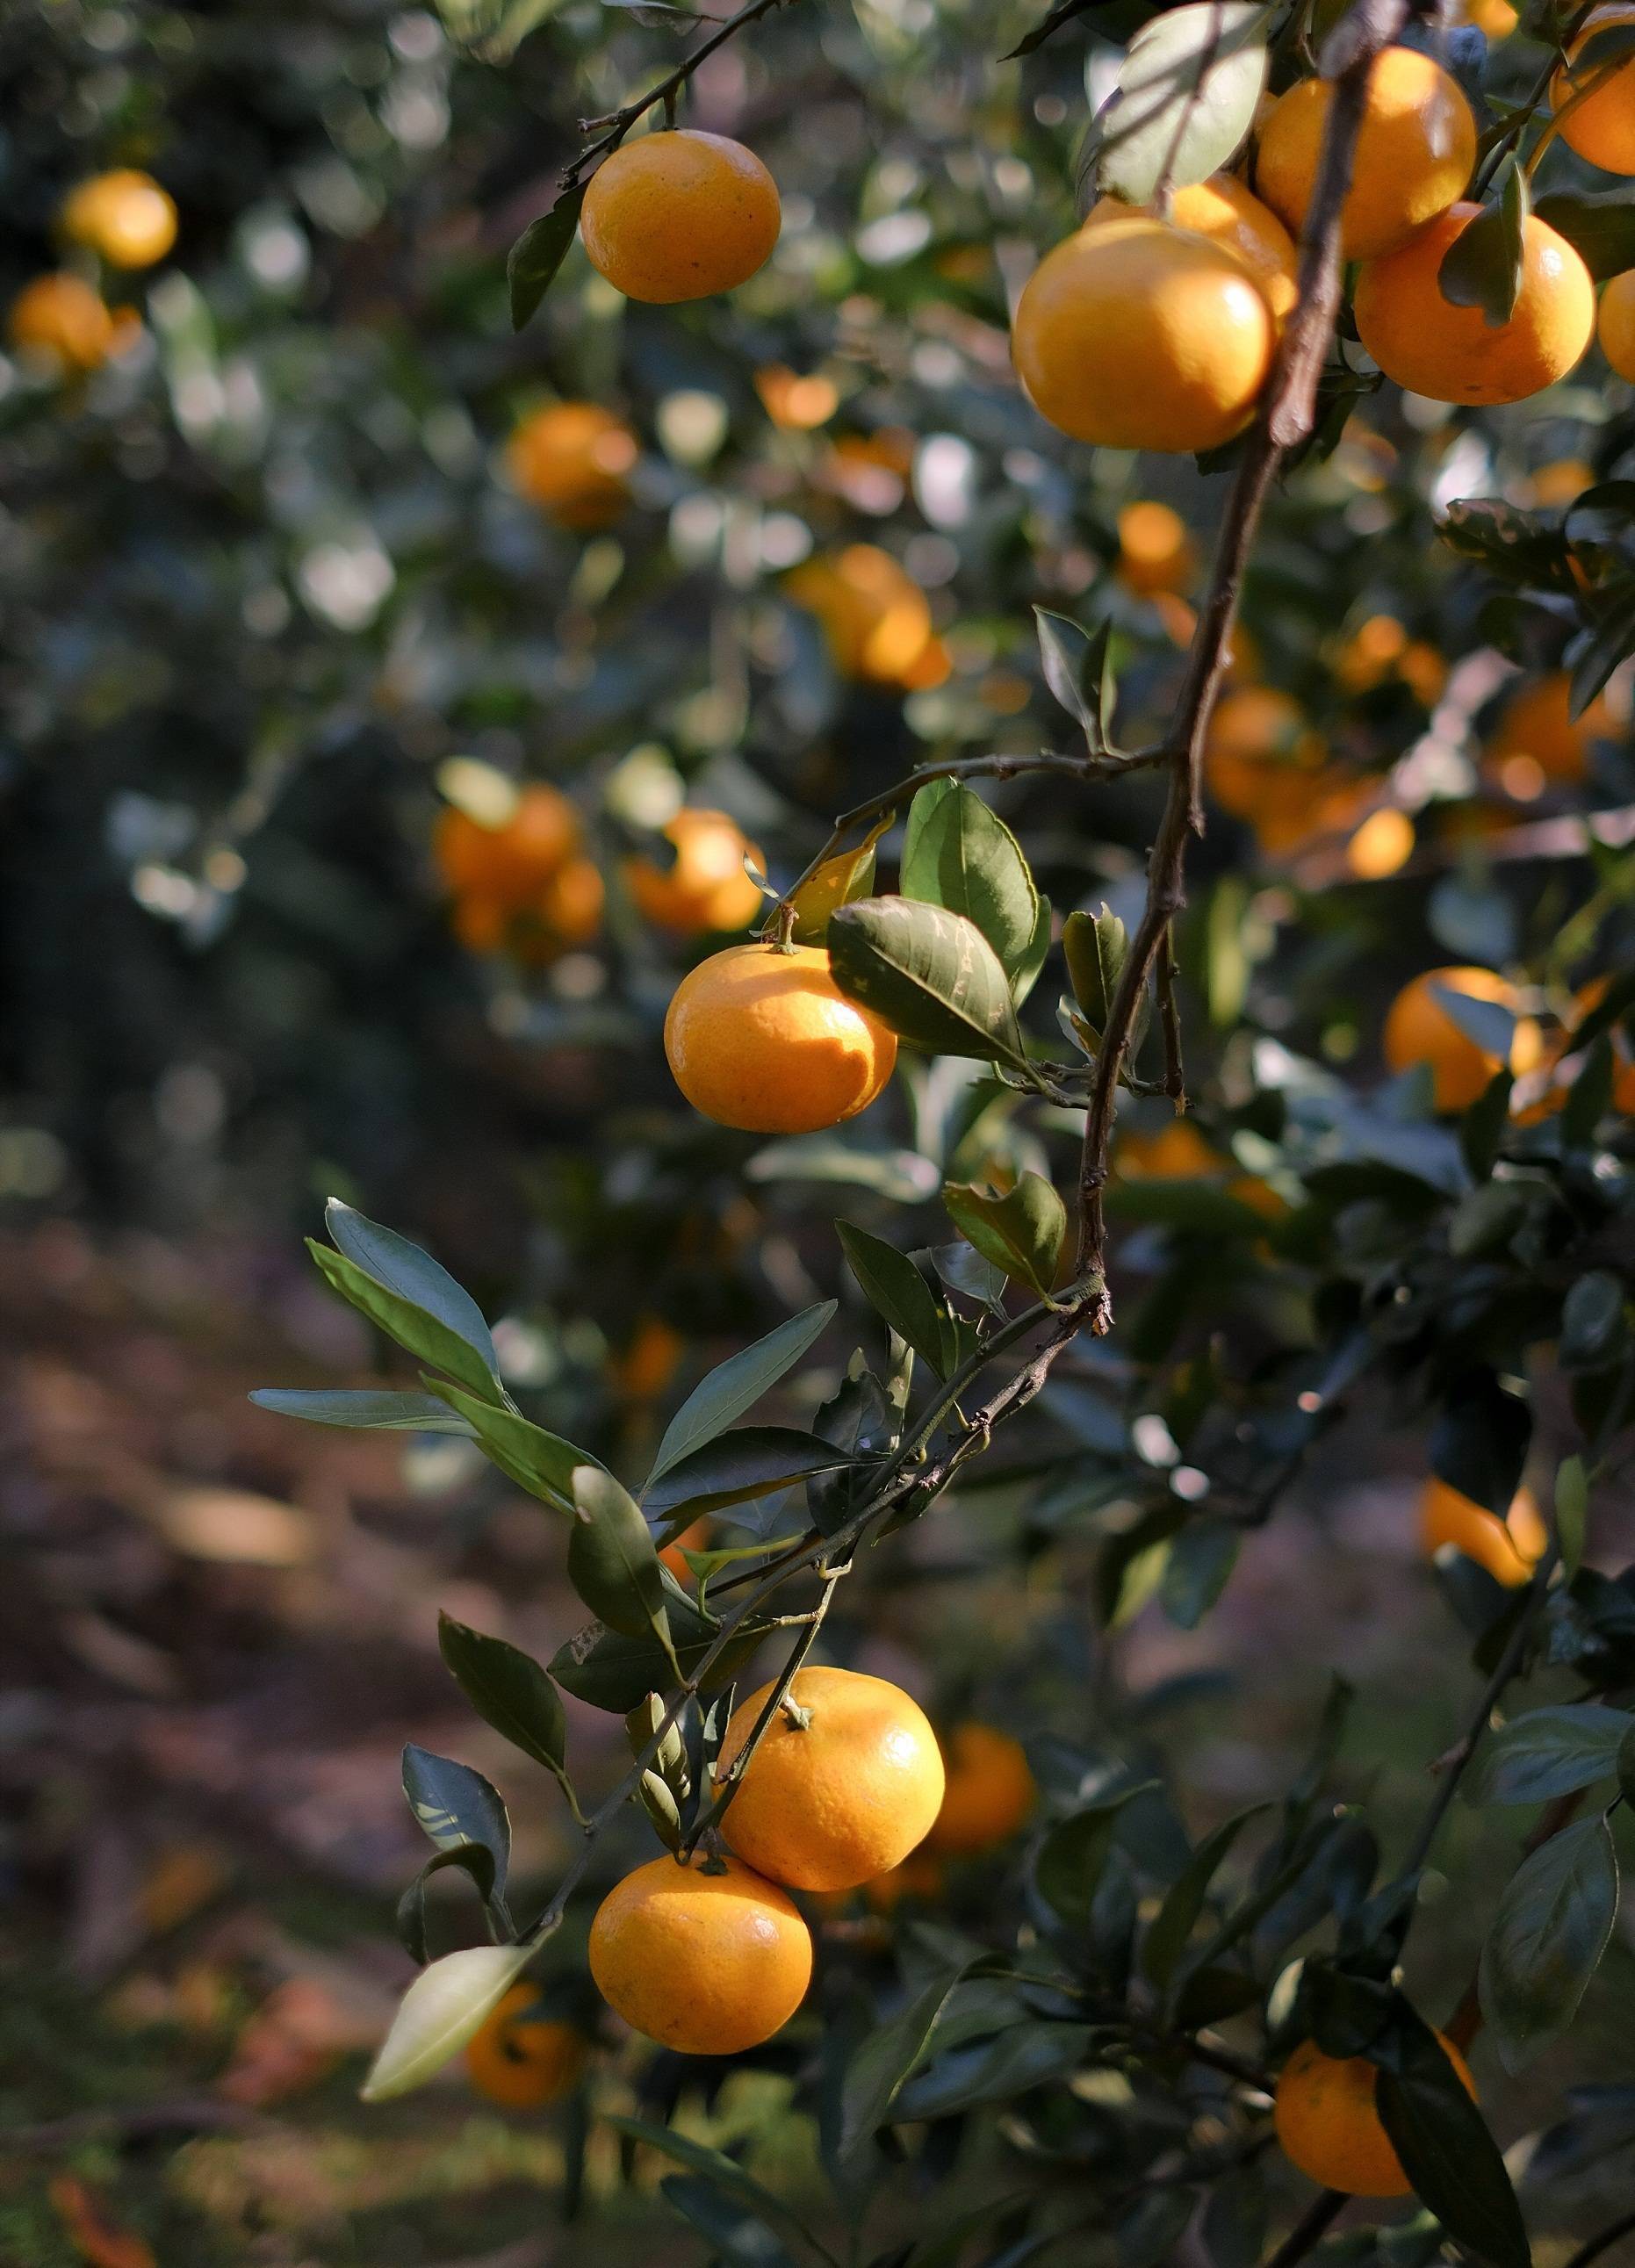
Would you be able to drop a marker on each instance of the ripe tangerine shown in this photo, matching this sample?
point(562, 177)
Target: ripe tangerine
point(708, 1962)
point(679, 215)
point(1329, 2127)
point(521, 2058)
point(1414, 152)
point(765, 1041)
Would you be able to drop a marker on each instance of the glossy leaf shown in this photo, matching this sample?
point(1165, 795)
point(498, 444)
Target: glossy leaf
point(539, 252)
point(1068, 1867)
point(726, 2174)
point(894, 1288)
point(736, 1385)
point(931, 974)
point(508, 1690)
point(847, 876)
point(1171, 1928)
point(887, 2058)
point(1598, 224)
point(455, 1805)
point(1187, 90)
point(1021, 1232)
point(959, 855)
point(1077, 670)
point(471, 1859)
point(1550, 1932)
point(753, 1460)
point(1482, 267)
point(414, 1275)
point(412, 1327)
point(1548, 1752)
point(611, 1561)
point(369, 1412)
point(541, 1462)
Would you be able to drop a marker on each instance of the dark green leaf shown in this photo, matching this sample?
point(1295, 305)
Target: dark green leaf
point(1479, 1442)
point(1550, 1931)
point(1187, 90)
point(414, 1275)
point(1021, 1231)
point(886, 2059)
point(455, 1805)
point(612, 1562)
point(1171, 1926)
point(1482, 267)
point(471, 1858)
point(1482, 1128)
point(510, 1690)
point(1068, 1867)
point(1075, 667)
point(736, 2237)
point(996, 2070)
point(411, 1326)
point(1548, 1752)
point(894, 1288)
point(726, 2174)
point(1095, 945)
point(1572, 1513)
point(1062, 13)
point(1598, 224)
point(735, 1385)
point(753, 1460)
point(1446, 2149)
point(931, 974)
point(1201, 1559)
point(958, 855)
point(539, 252)
point(541, 1462)
point(613, 1672)
point(1609, 643)
point(382, 1412)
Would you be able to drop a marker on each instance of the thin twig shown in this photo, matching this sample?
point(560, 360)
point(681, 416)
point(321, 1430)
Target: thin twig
point(728, 1783)
point(1595, 2246)
point(619, 122)
point(1169, 1021)
point(1312, 2225)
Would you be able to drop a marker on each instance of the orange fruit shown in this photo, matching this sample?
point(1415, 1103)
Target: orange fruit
point(1615, 328)
point(569, 905)
point(841, 1798)
point(1497, 17)
point(512, 863)
point(1255, 734)
point(1418, 1029)
point(1371, 653)
point(1601, 127)
point(1455, 354)
point(521, 2058)
point(1154, 550)
point(1414, 154)
point(919, 1877)
point(990, 1791)
point(571, 458)
point(1329, 2127)
point(1135, 335)
point(1538, 742)
point(796, 404)
point(62, 317)
point(479, 922)
point(766, 1041)
point(679, 215)
point(875, 618)
point(1298, 806)
point(1382, 846)
point(651, 1359)
point(1509, 1549)
point(1228, 212)
point(1175, 1152)
point(124, 216)
point(705, 886)
point(708, 1963)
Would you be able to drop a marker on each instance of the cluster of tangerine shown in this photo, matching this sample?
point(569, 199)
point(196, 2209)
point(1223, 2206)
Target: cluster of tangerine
point(122, 219)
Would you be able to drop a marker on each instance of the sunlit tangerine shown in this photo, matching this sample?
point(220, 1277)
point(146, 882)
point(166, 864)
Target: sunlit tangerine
point(876, 618)
point(62, 317)
point(1414, 154)
point(1138, 336)
point(569, 907)
point(708, 1963)
point(512, 863)
point(1228, 212)
point(522, 2059)
point(1255, 734)
point(679, 215)
point(766, 1041)
point(1418, 1029)
point(1455, 354)
point(1328, 2123)
point(843, 1785)
point(1154, 550)
point(1615, 326)
point(1381, 845)
point(705, 888)
point(990, 1791)
point(1601, 126)
point(124, 216)
point(570, 459)
point(1509, 1549)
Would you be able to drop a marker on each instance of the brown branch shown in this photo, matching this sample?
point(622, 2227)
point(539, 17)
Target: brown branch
point(1595, 2246)
point(619, 122)
point(1312, 2226)
point(1286, 417)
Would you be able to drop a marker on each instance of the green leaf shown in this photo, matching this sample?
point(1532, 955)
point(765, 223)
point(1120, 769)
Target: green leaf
point(610, 1671)
point(959, 855)
point(726, 2174)
point(1171, 1926)
point(1095, 945)
point(752, 1462)
point(1201, 1556)
point(414, 1275)
point(471, 1858)
point(1078, 673)
point(1572, 1513)
point(1482, 1128)
point(371, 1412)
point(455, 1805)
point(443, 2009)
point(887, 2058)
point(1546, 1753)
point(1024, 2056)
point(1593, 1327)
point(931, 974)
point(1446, 2149)
point(1608, 642)
point(541, 1462)
point(1069, 1860)
point(1021, 1231)
point(736, 1385)
point(836, 883)
point(1187, 90)
point(1479, 1442)
point(1062, 13)
point(539, 252)
point(1550, 1931)
point(612, 1562)
point(424, 1334)
point(508, 1690)
point(1482, 267)
point(1598, 224)
point(897, 1291)
point(493, 29)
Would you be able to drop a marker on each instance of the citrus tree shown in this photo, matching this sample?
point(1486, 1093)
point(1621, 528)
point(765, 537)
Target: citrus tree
point(1259, 1080)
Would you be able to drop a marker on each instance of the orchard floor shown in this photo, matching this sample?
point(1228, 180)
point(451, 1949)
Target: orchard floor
point(219, 1628)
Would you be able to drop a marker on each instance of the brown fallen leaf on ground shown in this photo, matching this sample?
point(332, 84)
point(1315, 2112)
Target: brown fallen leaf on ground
point(234, 1528)
point(95, 2237)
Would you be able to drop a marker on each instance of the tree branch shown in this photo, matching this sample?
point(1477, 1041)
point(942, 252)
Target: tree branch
point(1595, 2246)
point(619, 122)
